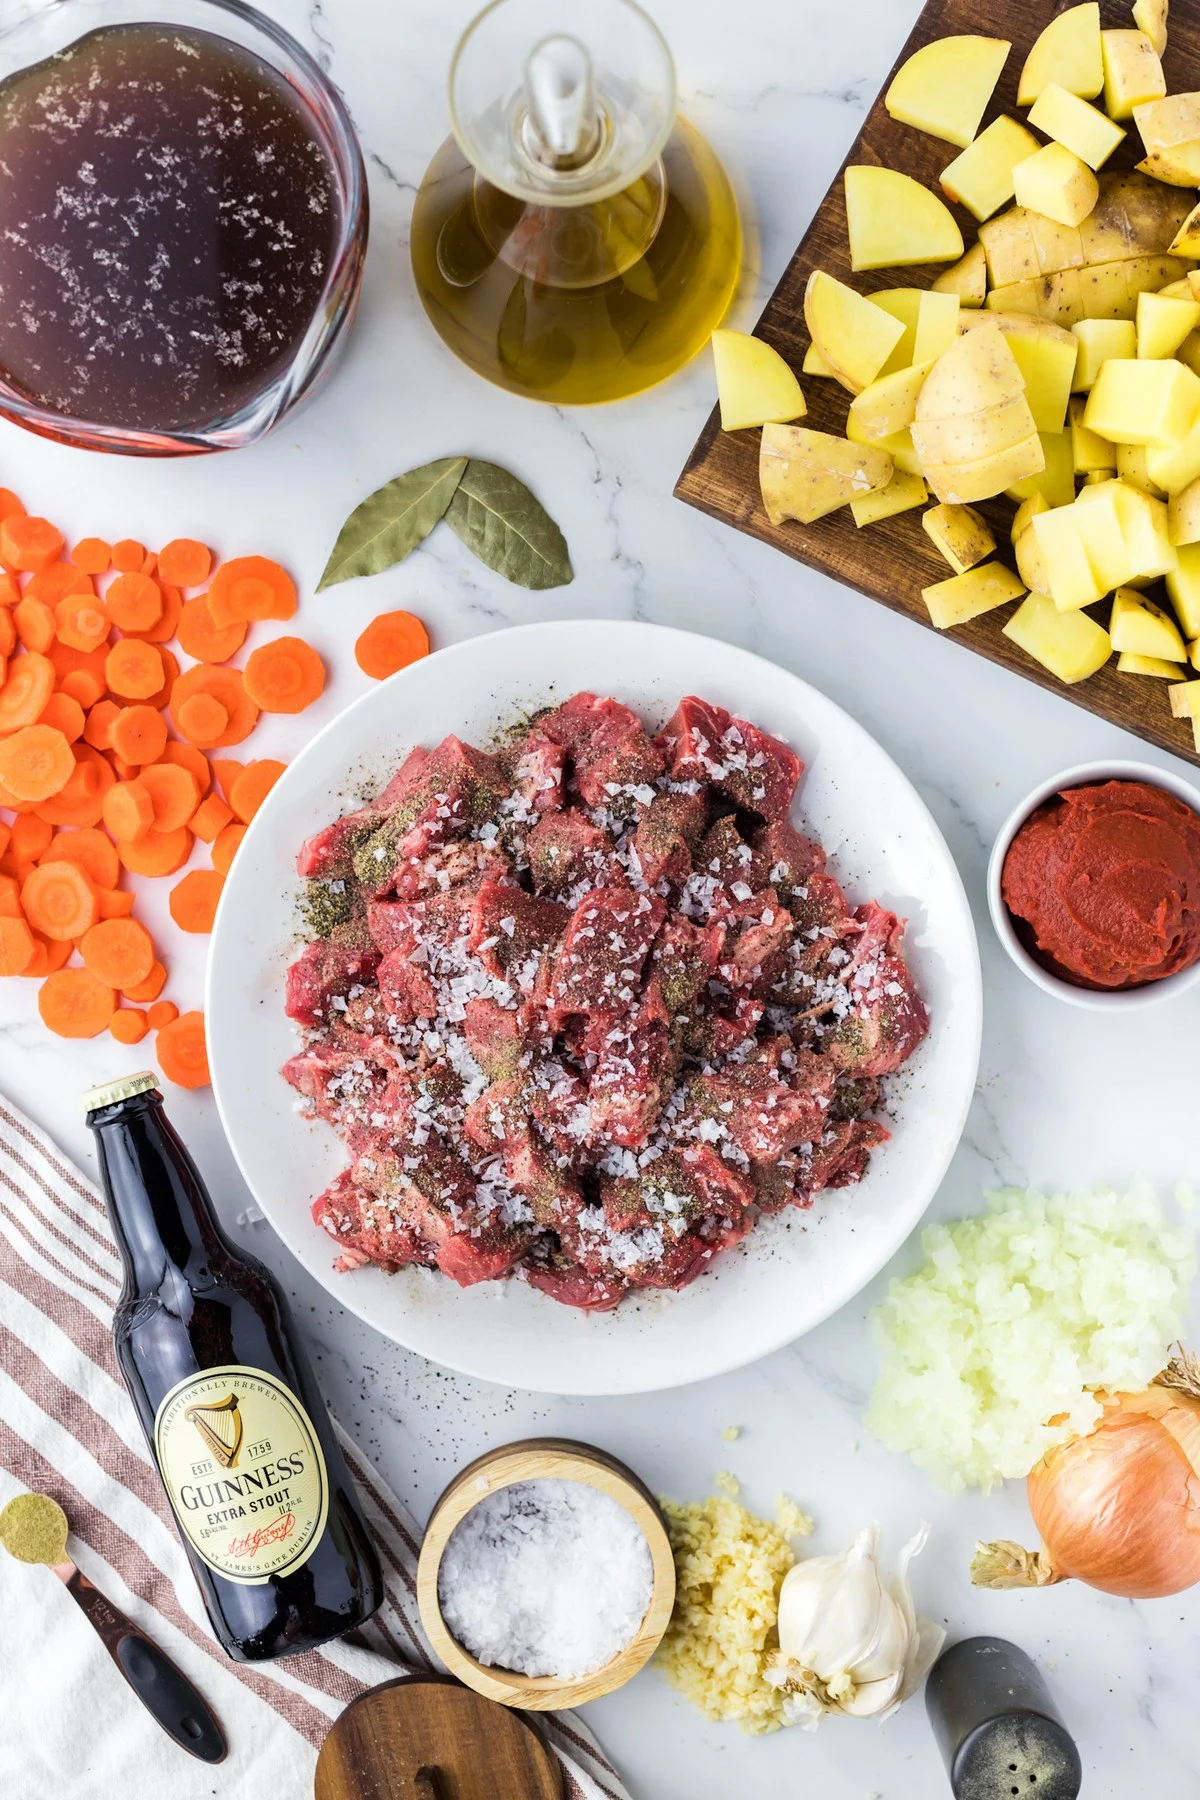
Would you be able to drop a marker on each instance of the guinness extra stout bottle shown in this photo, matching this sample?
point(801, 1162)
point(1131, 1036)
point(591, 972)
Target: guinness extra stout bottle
point(226, 1397)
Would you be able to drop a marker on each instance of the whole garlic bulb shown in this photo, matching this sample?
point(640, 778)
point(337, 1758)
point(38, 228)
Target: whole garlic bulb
point(848, 1643)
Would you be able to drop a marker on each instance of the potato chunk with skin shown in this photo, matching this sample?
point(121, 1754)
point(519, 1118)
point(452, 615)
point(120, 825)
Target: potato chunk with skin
point(754, 383)
point(962, 597)
point(1176, 466)
point(1055, 480)
point(1075, 123)
point(963, 483)
point(899, 446)
point(1183, 589)
point(1147, 536)
point(1163, 323)
point(981, 179)
point(1185, 702)
point(944, 87)
point(903, 303)
point(853, 337)
point(1133, 74)
point(893, 221)
point(1143, 402)
point(973, 431)
point(959, 534)
point(1070, 644)
point(1055, 182)
point(1170, 130)
point(1138, 626)
point(814, 364)
point(1129, 664)
point(806, 474)
point(1066, 52)
point(1151, 17)
point(1073, 581)
point(1089, 452)
point(1183, 515)
point(888, 405)
point(1030, 565)
point(1186, 241)
point(1099, 339)
point(902, 493)
point(967, 278)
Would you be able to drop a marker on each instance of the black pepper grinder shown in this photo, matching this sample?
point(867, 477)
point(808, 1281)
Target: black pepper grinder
point(999, 1732)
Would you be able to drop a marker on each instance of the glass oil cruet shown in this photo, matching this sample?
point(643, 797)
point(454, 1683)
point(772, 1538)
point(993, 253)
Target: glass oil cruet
point(574, 240)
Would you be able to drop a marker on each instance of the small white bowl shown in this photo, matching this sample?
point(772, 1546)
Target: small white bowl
point(1095, 999)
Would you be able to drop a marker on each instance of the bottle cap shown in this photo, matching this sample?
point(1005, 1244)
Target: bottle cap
point(124, 1088)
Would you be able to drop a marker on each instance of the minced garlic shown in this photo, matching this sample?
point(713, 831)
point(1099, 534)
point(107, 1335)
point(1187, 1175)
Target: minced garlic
point(729, 1567)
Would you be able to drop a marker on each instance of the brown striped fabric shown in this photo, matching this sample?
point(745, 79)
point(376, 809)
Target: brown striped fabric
point(68, 1428)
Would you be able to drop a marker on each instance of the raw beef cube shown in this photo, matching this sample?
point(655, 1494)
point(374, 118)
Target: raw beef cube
point(564, 848)
point(667, 833)
point(779, 1184)
point(494, 1037)
point(610, 749)
point(325, 971)
point(403, 782)
point(791, 858)
point(365, 1230)
point(633, 1077)
point(406, 989)
point(760, 1110)
point(497, 1117)
point(511, 931)
point(725, 1025)
point(705, 743)
point(819, 904)
point(840, 1157)
point(567, 1282)
point(684, 961)
point(331, 851)
point(757, 931)
point(422, 927)
point(553, 1193)
point(885, 1018)
point(434, 1191)
point(601, 958)
point(536, 768)
point(343, 1085)
point(466, 860)
point(557, 1099)
point(723, 1190)
point(725, 858)
point(454, 788)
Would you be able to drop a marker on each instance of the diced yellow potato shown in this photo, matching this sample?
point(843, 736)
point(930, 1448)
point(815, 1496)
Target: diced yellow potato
point(806, 474)
point(1185, 700)
point(944, 87)
point(1099, 524)
point(754, 383)
point(965, 482)
point(1128, 664)
point(1055, 182)
point(1136, 402)
point(976, 371)
point(1143, 629)
point(1177, 290)
point(1133, 73)
point(973, 430)
point(902, 492)
point(1179, 167)
point(1046, 359)
point(1189, 352)
point(937, 326)
point(960, 534)
point(853, 337)
point(814, 364)
point(1174, 468)
point(1186, 241)
point(1163, 323)
point(1098, 340)
point(1072, 579)
point(1183, 589)
point(1151, 17)
point(888, 405)
point(1088, 452)
point(1131, 468)
point(962, 597)
point(967, 278)
point(969, 436)
point(1066, 52)
point(1170, 130)
point(1134, 217)
point(1055, 480)
point(1147, 538)
point(1071, 644)
point(1075, 123)
point(981, 178)
point(1099, 291)
point(899, 446)
point(903, 303)
point(1030, 564)
point(893, 221)
point(1183, 515)
point(1026, 513)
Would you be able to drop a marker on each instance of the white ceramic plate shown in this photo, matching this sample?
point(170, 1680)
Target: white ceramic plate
point(794, 1269)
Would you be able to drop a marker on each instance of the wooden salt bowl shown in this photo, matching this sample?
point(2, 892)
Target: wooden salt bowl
point(541, 1459)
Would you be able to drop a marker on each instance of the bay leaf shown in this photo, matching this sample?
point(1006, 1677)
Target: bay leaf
point(502, 524)
point(391, 522)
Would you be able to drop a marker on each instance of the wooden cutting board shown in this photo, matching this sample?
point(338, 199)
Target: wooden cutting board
point(893, 560)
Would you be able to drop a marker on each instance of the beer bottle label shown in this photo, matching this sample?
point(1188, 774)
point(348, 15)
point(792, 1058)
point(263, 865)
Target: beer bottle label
point(243, 1471)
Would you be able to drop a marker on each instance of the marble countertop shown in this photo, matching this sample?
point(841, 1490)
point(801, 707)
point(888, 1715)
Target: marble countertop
point(1064, 1096)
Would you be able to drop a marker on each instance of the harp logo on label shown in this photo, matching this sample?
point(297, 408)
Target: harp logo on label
point(243, 1470)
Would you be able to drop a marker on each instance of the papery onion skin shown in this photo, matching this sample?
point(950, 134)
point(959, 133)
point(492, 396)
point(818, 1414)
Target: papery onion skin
point(1120, 1508)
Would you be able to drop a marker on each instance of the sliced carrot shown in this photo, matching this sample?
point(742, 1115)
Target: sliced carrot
point(83, 687)
point(174, 793)
point(8, 632)
point(58, 582)
point(9, 504)
point(27, 688)
point(185, 562)
point(225, 686)
point(134, 602)
point(16, 946)
point(161, 1013)
point(128, 811)
point(226, 846)
point(5, 837)
point(167, 623)
point(161, 698)
point(67, 662)
point(114, 903)
point(39, 962)
point(157, 852)
point(92, 850)
point(35, 624)
point(10, 898)
point(138, 734)
point(284, 676)
point(188, 757)
point(210, 817)
point(36, 762)
point(59, 900)
point(202, 719)
point(226, 771)
point(134, 670)
point(149, 563)
point(74, 1003)
point(128, 1025)
point(81, 622)
point(65, 714)
point(100, 720)
point(119, 951)
point(10, 591)
point(390, 642)
point(128, 555)
point(202, 638)
point(182, 1053)
point(31, 836)
point(29, 543)
point(93, 555)
point(253, 785)
point(149, 989)
point(194, 900)
point(81, 802)
point(249, 588)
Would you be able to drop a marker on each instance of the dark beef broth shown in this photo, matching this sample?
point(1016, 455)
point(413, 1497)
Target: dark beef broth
point(168, 217)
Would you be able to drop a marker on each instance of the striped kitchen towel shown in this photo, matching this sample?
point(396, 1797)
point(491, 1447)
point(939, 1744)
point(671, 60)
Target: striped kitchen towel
point(71, 1729)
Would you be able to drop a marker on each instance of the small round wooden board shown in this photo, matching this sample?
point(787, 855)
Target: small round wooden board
point(426, 1738)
